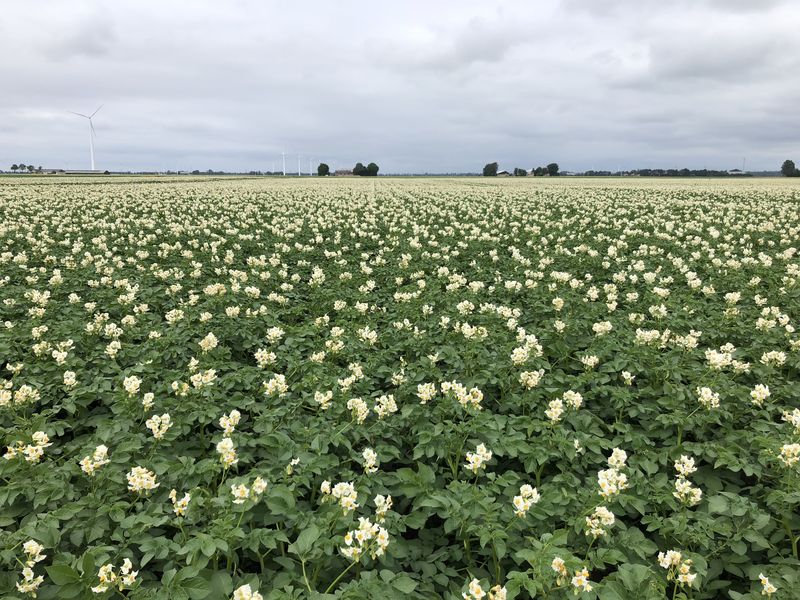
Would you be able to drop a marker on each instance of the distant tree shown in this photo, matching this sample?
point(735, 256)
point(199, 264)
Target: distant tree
point(22, 167)
point(788, 169)
point(14, 167)
point(552, 169)
point(539, 171)
point(359, 169)
point(31, 168)
point(490, 170)
point(39, 169)
point(323, 170)
point(519, 172)
point(372, 169)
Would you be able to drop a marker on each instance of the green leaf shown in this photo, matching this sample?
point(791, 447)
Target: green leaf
point(405, 584)
point(305, 541)
point(197, 588)
point(416, 520)
point(633, 575)
point(280, 501)
point(718, 505)
point(62, 574)
point(221, 584)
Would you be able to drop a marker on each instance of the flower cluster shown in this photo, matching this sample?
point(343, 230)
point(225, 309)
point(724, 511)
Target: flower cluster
point(369, 537)
point(359, 409)
point(767, 589)
point(580, 581)
point(472, 397)
point(426, 392)
point(90, 464)
point(32, 452)
point(476, 592)
point(612, 480)
point(159, 425)
point(685, 492)
point(141, 480)
point(678, 568)
point(531, 379)
point(477, 460)
point(560, 567)
point(344, 492)
point(30, 581)
point(179, 505)
point(241, 492)
point(528, 496)
point(245, 592)
point(229, 422)
point(276, 386)
point(759, 394)
point(793, 418)
point(370, 461)
point(383, 504)
point(132, 384)
point(208, 343)
point(385, 405)
point(323, 399)
point(790, 454)
point(125, 578)
point(227, 452)
point(599, 521)
point(707, 398)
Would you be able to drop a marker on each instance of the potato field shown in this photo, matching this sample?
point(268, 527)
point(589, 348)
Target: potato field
point(480, 389)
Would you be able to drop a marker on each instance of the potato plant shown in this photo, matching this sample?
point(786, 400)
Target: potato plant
point(260, 388)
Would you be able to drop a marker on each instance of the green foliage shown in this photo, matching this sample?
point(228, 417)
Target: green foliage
point(371, 170)
point(496, 293)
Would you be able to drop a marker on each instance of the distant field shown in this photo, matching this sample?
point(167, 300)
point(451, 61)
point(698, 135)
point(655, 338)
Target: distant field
point(399, 388)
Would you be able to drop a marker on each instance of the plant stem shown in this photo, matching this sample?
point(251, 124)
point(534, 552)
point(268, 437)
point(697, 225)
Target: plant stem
point(790, 533)
point(496, 564)
point(305, 577)
point(342, 574)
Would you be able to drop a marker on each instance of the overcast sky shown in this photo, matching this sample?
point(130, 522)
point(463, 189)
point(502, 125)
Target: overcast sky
point(415, 86)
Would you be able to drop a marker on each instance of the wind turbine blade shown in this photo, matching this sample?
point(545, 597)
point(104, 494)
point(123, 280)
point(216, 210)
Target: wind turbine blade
point(79, 114)
point(97, 111)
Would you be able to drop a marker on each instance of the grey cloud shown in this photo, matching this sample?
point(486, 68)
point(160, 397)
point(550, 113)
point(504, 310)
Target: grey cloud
point(479, 40)
point(91, 37)
point(415, 86)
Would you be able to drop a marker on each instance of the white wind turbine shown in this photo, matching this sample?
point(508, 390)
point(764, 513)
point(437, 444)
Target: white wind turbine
point(91, 131)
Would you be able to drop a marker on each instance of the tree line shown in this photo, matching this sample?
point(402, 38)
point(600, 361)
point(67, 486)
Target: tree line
point(22, 167)
point(551, 170)
point(667, 173)
point(789, 170)
point(371, 170)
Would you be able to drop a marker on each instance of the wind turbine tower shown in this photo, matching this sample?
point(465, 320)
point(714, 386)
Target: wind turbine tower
point(91, 131)
point(283, 155)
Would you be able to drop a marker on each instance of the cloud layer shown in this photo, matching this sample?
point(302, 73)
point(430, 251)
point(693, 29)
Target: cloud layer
point(415, 86)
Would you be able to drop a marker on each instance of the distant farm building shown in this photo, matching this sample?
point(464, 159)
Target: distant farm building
point(74, 172)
